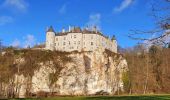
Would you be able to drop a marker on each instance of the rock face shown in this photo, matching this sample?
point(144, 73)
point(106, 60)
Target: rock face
point(89, 73)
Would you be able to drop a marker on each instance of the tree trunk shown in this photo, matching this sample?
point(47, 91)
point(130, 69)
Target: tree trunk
point(147, 74)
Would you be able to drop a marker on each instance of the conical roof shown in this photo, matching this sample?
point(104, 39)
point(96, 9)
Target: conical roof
point(50, 29)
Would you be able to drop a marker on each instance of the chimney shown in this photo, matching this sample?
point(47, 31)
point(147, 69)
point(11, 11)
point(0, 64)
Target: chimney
point(63, 30)
point(87, 27)
point(69, 28)
point(95, 29)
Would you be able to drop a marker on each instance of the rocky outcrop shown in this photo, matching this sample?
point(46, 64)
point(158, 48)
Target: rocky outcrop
point(88, 73)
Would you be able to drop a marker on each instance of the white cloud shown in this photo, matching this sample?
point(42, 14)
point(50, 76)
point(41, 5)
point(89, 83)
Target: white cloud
point(94, 20)
point(63, 9)
point(5, 20)
point(16, 43)
point(125, 4)
point(29, 41)
point(20, 5)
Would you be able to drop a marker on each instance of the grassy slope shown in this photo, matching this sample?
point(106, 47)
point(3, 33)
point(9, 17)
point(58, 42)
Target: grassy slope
point(144, 97)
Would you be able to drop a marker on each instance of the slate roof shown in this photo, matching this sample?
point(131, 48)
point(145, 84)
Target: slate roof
point(50, 29)
point(76, 30)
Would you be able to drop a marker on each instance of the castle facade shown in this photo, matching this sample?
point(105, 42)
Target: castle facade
point(76, 39)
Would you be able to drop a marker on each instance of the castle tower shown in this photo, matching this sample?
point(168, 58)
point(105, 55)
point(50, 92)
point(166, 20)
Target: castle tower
point(50, 39)
point(115, 43)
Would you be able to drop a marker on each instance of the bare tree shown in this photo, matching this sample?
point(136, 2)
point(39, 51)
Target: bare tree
point(161, 16)
point(147, 75)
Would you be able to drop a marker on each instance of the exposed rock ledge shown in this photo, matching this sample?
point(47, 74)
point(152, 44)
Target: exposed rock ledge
point(88, 73)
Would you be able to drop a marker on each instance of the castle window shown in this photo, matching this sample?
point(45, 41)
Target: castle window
point(69, 42)
point(74, 36)
point(79, 42)
point(64, 38)
point(74, 42)
point(56, 39)
point(91, 43)
point(64, 43)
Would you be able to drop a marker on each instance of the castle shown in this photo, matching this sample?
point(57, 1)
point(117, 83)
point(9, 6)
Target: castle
point(77, 39)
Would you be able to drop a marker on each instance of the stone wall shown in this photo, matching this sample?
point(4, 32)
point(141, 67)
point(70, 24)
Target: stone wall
point(79, 42)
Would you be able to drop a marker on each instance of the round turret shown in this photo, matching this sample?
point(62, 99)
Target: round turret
point(50, 39)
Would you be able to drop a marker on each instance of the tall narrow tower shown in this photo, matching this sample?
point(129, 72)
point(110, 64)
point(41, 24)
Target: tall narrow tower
point(115, 44)
point(50, 39)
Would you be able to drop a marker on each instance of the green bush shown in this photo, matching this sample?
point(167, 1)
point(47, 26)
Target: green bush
point(126, 81)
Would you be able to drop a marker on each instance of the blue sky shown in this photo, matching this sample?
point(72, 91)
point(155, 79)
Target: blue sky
point(24, 22)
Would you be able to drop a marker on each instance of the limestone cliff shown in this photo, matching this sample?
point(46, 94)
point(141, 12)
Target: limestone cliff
point(87, 73)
